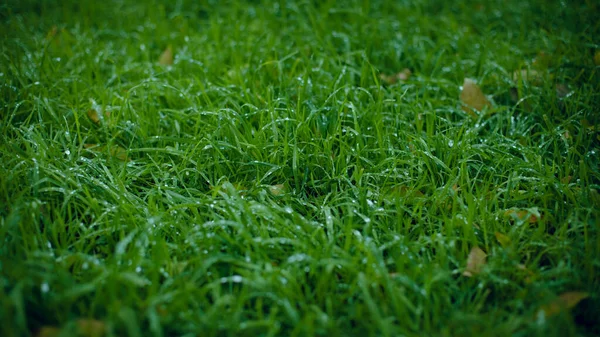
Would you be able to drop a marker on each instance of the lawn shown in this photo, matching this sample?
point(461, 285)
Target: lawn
point(299, 168)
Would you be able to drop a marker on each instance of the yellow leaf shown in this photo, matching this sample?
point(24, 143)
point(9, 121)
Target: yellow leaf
point(278, 189)
point(475, 262)
point(166, 58)
point(95, 117)
point(563, 302)
point(597, 58)
point(472, 98)
point(91, 327)
point(503, 239)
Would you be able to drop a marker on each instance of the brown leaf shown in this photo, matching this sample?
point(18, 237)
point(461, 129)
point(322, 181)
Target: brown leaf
point(542, 61)
point(166, 58)
point(403, 75)
point(503, 239)
point(93, 115)
point(96, 117)
point(588, 125)
point(566, 179)
point(562, 90)
point(475, 262)
point(91, 327)
point(119, 153)
point(563, 302)
point(404, 191)
point(278, 189)
point(472, 98)
point(115, 151)
point(521, 215)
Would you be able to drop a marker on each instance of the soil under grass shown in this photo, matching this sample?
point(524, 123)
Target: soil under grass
point(213, 168)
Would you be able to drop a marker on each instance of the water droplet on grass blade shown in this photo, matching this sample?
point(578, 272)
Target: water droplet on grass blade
point(44, 287)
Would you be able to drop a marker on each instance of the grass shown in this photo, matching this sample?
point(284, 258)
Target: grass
point(270, 183)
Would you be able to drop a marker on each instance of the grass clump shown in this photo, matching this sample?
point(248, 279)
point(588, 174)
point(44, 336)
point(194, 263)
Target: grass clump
point(274, 177)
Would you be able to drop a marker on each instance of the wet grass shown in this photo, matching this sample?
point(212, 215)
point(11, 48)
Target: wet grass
point(269, 183)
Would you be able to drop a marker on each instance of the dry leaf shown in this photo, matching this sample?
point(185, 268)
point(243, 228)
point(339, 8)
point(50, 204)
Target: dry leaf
point(404, 75)
point(115, 151)
point(597, 58)
point(475, 262)
point(401, 76)
point(119, 153)
point(404, 191)
point(562, 90)
point(503, 239)
point(566, 179)
point(96, 117)
point(564, 301)
point(530, 276)
point(521, 215)
point(278, 189)
point(166, 58)
point(528, 76)
point(472, 98)
point(542, 60)
point(588, 125)
point(91, 327)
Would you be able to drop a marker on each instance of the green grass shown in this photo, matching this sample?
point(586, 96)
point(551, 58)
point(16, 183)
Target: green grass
point(386, 187)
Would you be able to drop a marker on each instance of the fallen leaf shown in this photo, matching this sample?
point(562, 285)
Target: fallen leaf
point(404, 75)
point(562, 90)
point(475, 262)
point(115, 151)
point(166, 58)
point(93, 115)
point(119, 153)
point(401, 76)
point(48, 331)
point(588, 125)
point(528, 76)
point(96, 117)
point(542, 61)
point(91, 327)
point(503, 239)
point(566, 179)
point(563, 302)
point(597, 58)
point(405, 191)
point(278, 189)
point(472, 98)
point(521, 215)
